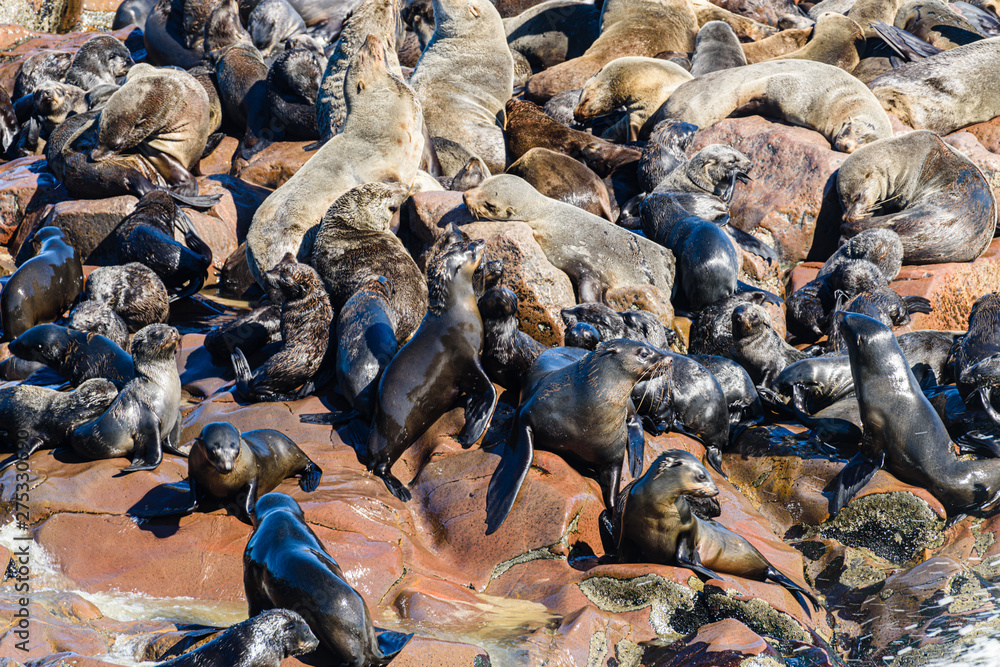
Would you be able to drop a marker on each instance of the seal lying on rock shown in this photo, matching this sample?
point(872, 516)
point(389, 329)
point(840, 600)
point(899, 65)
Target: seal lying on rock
point(78, 356)
point(595, 254)
point(975, 357)
point(653, 523)
point(286, 565)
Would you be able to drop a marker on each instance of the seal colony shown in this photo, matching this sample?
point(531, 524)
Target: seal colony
point(514, 288)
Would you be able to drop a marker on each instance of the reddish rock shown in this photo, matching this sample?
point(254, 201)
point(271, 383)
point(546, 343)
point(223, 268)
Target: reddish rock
point(424, 652)
point(220, 160)
point(951, 288)
point(793, 193)
point(988, 133)
point(240, 200)
point(26, 186)
point(220, 235)
point(275, 164)
point(87, 223)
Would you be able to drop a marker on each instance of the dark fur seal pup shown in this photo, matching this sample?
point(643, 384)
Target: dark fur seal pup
point(146, 236)
point(741, 394)
point(145, 419)
point(665, 151)
point(44, 286)
point(174, 32)
point(581, 335)
point(252, 330)
point(272, 22)
point(101, 60)
point(76, 355)
point(529, 127)
point(580, 412)
point(306, 317)
point(40, 68)
point(608, 322)
point(34, 418)
point(902, 431)
point(262, 641)
point(809, 307)
point(757, 347)
point(508, 352)
point(230, 469)
point(292, 85)
point(286, 565)
point(133, 291)
point(687, 398)
point(98, 318)
point(712, 328)
point(425, 379)
point(653, 523)
point(240, 73)
point(55, 102)
point(355, 244)
point(366, 343)
point(930, 194)
point(974, 359)
point(560, 177)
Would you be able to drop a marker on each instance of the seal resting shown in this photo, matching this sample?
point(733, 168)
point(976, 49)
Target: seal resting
point(932, 196)
point(427, 376)
point(902, 431)
point(381, 141)
point(44, 286)
point(559, 176)
point(579, 411)
point(286, 565)
point(133, 292)
point(801, 92)
point(78, 356)
point(595, 254)
point(653, 523)
point(145, 418)
point(462, 102)
point(974, 358)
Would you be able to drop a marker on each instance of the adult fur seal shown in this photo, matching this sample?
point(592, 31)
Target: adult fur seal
point(38, 417)
point(424, 379)
point(162, 113)
point(262, 641)
point(932, 196)
point(306, 316)
point(370, 148)
point(716, 48)
point(462, 104)
point(902, 431)
point(579, 411)
point(560, 177)
point(641, 85)
point(653, 523)
point(355, 244)
point(811, 94)
point(594, 253)
point(133, 291)
point(76, 355)
point(912, 94)
point(974, 359)
point(233, 470)
point(286, 565)
point(508, 352)
point(145, 418)
point(44, 286)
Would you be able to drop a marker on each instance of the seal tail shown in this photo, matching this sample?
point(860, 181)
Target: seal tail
point(243, 375)
point(390, 644)
point(800, 593)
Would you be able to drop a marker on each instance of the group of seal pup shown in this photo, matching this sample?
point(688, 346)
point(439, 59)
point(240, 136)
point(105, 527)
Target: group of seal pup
point(576, 120)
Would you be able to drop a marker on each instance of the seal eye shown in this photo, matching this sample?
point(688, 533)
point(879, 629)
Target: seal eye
point(702, 477)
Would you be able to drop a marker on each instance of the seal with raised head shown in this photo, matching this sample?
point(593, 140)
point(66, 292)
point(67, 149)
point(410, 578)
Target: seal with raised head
point(463, 104)
point(102, 59)
point(653, 523)
point(286, 565)
point(34, 418)
point(381, 141)
point(932, 196)
point(78, 356)
point(306, 317)
point(508, 352)
point(44, 286)
point(262, 641)
point(41, 68)
point(902, 431)
point(836, 40)
point(579, 411)
point(133, 291)
point(426, 378)
point(801, 92)
point(595, 254)
point(354, 244)
point(145, 419)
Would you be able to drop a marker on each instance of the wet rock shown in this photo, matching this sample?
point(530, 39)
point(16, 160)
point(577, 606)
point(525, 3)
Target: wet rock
point(792, 203)
point(723, 643)
point(87, 223)
point(220, 160)
point(274, 165)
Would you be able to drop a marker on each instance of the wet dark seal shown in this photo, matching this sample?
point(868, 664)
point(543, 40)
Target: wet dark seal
point(425, 379)
point(286, 565)
point(974, 359)
point(508, 352)
point(76, 355)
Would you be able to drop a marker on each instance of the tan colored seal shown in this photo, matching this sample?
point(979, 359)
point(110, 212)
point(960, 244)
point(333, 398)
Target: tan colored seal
point(835, 41)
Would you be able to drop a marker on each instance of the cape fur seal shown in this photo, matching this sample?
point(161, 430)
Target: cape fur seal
point(811, 94)
point(78, 356)
point(381, 141)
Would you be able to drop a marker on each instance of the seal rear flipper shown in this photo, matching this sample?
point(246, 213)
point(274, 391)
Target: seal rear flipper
point(212, 143)
point(800, 593)
point(636, 442)
point(985, 394)
point(687, 556)
point(148, 451)
point(34, 444)
point(851, 479)
point(310, 478)
point(769, 297)
point(975, 442)
point(515, 461)
point(243, 375)
point(390, 644)
point(200, 202)
point(917, 304)
point(908, 46)
point(395, 486)
point(714, 458)
point(480, 403)
point(607, 532)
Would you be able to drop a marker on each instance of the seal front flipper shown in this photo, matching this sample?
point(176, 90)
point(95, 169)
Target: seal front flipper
point(33, 446)
point(311, 475)
point(636, 442)
point(851, 479)
point(917, 304)
point(687, 556)
point(800, 593)
point(515, 461)
point(147, 452)
point(769, 297)
point(249, 499)
point(976, 443)
point(390, 644)
point(163, 512)
point(480, 402)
